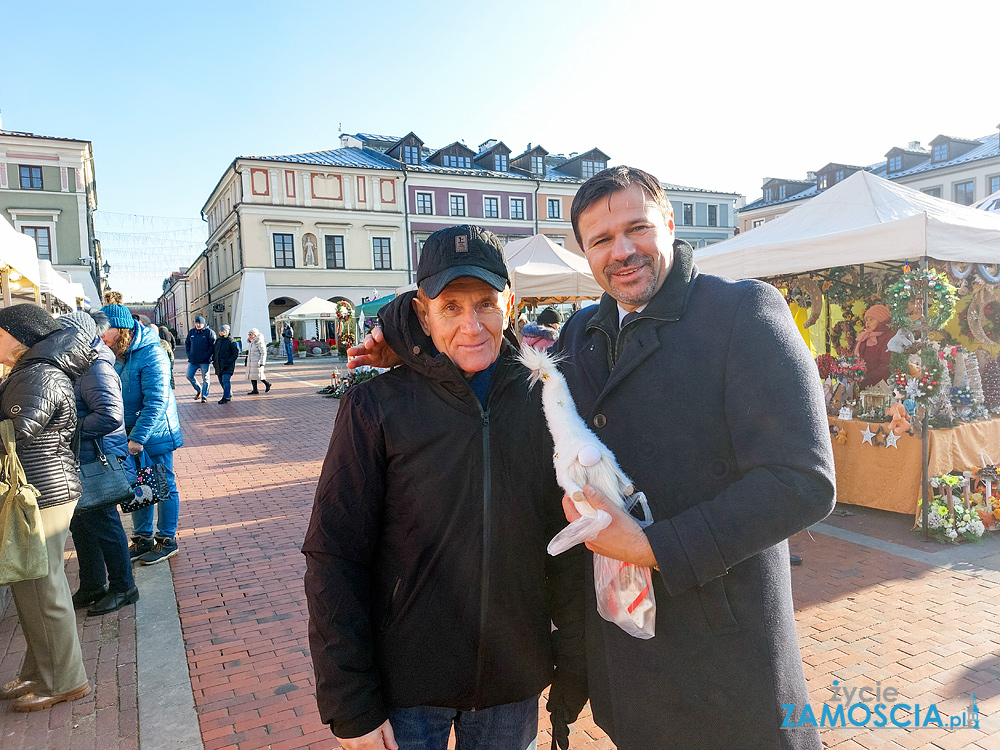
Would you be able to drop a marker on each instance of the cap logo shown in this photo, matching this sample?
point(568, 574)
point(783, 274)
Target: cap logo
point(461, 244)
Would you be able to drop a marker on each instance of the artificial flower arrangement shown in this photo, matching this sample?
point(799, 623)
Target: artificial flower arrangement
point(947, 518)
point(342, 385)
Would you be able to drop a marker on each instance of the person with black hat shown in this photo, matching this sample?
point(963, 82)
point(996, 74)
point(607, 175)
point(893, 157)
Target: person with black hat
point(544, 331)
point(426, 565)
point(37, 396)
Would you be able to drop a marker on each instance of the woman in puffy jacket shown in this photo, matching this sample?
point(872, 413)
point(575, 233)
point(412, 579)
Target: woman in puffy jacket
point(151, 426)
point(37, 396)
point(544, 331)
point(106, 582)
point(256, 359)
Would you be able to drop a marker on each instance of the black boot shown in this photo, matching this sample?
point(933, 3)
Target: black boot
point(267, 386)
point(254, 392)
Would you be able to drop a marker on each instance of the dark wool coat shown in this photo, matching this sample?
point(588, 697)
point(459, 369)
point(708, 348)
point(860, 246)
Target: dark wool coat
point(426, 565)
point(38, 396)
point(714, 409)
point(99, 407)
point(225, 355)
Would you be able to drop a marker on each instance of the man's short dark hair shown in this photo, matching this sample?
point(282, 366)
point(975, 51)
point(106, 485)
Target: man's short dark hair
point(613, 180)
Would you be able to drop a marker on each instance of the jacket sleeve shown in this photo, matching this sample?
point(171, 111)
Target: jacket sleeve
point(187, 342)
point(101, 391)
point(154, 383)
point(340, 548)
point(30, 401)
point(777, 423)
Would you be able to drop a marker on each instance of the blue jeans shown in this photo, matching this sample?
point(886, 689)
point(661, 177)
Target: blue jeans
point(102, 549)
point(512, 726)
point(167, 510)
point(192, 369)
point(290, 350)
point(226, 388)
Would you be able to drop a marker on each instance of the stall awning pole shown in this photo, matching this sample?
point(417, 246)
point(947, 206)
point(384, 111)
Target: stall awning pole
point(925, 438)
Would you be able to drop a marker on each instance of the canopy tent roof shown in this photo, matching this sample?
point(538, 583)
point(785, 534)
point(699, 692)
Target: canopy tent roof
point(18, 251)
point(70, 293)
point(541, 269)
point(370, 309)
point(989, 203)
point(864, 219)
point(311, 309)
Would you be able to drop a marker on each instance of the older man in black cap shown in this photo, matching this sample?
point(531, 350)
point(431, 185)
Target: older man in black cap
point(426, 562)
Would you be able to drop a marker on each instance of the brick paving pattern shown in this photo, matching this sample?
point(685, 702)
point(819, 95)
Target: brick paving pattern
point(247, 475)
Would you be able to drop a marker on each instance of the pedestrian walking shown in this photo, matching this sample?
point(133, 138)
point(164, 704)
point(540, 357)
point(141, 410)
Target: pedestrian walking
point(168, 342)
point(199, 345)
point(256, 359)
point(151, 425)
point(37, 396)
point(224, 361)
point(288, 338)
point(106, 582)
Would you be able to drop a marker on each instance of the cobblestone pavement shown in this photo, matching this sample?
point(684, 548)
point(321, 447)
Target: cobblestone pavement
point(869, 613)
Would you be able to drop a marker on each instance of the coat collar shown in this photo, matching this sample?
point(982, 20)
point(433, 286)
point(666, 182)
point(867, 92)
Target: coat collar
point(667, 304)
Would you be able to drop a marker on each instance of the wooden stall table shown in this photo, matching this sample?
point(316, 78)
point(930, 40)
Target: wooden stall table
point(888, 478)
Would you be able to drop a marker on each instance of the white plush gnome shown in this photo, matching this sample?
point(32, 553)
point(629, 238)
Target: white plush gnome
point(624, 591)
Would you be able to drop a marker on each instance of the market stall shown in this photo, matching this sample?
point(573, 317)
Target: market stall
point(543, 273)
point(905, 326)
point(19, 274)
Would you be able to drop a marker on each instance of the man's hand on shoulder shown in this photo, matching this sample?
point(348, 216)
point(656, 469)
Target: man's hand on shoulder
point(373, 351)
point(623, 540)
point(377, 739)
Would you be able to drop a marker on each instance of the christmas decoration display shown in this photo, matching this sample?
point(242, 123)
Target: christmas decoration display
point(844, 335)
point(909, 289)
point(939, 405)
point(991, 383)
point(342, 385)
point(950, 520)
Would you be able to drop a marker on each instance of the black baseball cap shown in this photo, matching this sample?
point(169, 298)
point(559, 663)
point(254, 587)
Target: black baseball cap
point(462, 251)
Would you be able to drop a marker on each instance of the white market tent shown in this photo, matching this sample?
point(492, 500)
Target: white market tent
point(864, 219)
point(542, 270)
point(53, 283)
point(311, 309)
point(989, 203)
point(18, 252)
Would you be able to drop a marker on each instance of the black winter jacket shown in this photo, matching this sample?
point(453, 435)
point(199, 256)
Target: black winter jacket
point(710, 401)
point(225, 355)
point(99, 407)
point(199, 345)
point(38, 396)
point(426, 561)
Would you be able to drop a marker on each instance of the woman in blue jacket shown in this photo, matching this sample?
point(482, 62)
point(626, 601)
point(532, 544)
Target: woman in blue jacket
point(106, 582)
point(151, 424)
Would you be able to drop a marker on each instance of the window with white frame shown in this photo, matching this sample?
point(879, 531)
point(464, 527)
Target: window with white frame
point(555, 208)
point(517, 208)
point(31, 178)
point(284, 252)
point(590, 168)
point(411, 154)
point(460, 162)
point(895, 163)
point(500, 162)
point(425, 203)
point(382, 253)
point(688, 217)
point(491, 207)
point(965, 193)
point(992, 184)
point(335, 251)
point(941, 152)
point(456, 203)
point(756, 223)
point(42, 240)
point(933, 191)
point(713, 215)
point(538, 164)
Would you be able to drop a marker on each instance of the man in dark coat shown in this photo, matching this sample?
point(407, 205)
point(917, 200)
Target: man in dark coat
point(224, 361)
point(199, 345)
point(707, 395)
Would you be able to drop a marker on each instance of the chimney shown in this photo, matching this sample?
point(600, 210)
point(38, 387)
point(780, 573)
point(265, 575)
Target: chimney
point(914, 146)
point(487, 144)
point(766, 180)
point(811, 176)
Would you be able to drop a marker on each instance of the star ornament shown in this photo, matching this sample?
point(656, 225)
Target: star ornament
point(890, 440)
point(867, 435)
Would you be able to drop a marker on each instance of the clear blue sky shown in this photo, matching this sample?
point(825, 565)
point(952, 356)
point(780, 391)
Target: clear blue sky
point(715, 95)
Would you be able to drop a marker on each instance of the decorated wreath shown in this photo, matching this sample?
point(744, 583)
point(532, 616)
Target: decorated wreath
point(344, 311)
point(844, 334)
point(826, 364)
point(851, 368)
point(941, 295)
point(980, 320)
point(926, 385)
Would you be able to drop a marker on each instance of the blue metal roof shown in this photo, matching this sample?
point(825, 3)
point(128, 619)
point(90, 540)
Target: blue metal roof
point(363, 158)
point(987, 147)
point(809, 192)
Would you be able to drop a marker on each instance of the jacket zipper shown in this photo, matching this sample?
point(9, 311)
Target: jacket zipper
point(485, 587)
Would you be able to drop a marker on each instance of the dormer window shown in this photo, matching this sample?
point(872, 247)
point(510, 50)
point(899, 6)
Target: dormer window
point(768, 195)
point(590, 168)
point(895, 163)
point(839, 176)
point(460, 162)
point(822, 182)
point(538, 164)
point(781, 192)
point(500, 162)
point(941, 152)
point(411, 154)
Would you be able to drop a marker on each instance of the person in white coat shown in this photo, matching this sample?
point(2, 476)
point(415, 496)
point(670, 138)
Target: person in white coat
point(256, 359)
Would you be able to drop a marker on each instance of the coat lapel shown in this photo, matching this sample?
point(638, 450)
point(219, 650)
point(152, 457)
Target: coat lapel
point(640, 345)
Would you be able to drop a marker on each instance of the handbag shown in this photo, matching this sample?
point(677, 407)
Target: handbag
point(104, 481)
point(23, 555)
point(150, 488)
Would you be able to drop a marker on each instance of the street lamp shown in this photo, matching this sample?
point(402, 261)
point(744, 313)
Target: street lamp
point(106, 268)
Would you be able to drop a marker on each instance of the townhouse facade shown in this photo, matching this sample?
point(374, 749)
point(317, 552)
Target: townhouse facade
point(48, 191)
point(349, 224)
point(957, 169)
point(173, 305)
